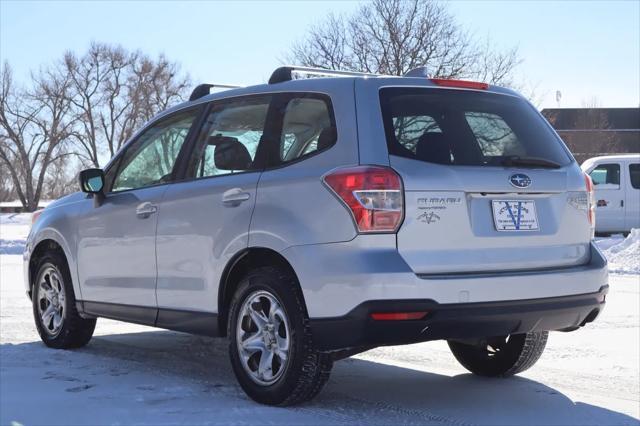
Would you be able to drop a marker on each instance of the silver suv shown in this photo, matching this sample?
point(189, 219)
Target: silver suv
point(309, 219)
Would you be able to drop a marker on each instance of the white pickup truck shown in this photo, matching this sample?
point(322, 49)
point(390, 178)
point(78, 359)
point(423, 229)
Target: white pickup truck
point(617, 189)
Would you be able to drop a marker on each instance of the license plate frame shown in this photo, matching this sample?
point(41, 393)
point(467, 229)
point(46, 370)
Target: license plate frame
point(515, 215)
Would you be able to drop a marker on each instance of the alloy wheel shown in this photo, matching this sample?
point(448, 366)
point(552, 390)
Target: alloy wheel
point(263, 337)
point(51, 301)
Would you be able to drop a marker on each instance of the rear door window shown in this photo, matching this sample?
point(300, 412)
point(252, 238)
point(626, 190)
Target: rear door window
point(229, 139)
point(457, 127)
point(606, 176)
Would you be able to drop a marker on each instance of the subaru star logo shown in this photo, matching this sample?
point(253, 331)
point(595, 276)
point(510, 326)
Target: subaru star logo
point(520, 180)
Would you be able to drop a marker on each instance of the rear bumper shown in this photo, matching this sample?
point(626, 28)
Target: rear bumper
point(336, 278)
point(454, 321)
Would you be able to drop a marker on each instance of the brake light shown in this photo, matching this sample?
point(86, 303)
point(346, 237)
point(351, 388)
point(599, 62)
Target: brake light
point(373, 195)
point(398, 316)
point(460, 83)
point(591, 203)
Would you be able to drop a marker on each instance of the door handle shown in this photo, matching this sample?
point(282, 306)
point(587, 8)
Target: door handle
point(145, 210)
point(235, 196)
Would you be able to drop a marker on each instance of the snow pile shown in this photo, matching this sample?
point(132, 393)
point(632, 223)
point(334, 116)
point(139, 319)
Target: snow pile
point(14, 228)
point(623, 254)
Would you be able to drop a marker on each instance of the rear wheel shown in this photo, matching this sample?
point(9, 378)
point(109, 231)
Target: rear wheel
point(271, 347)
point(54, 306)
point(501, 356)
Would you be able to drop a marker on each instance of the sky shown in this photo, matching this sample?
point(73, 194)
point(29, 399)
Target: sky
point(586, 50)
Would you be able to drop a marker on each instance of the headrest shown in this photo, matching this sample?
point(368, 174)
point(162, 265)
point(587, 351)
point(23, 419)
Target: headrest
point(229, 153)
point(327, 137)
point(434, 148)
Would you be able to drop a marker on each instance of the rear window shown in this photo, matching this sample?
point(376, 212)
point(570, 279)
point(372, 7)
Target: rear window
point(457, 127)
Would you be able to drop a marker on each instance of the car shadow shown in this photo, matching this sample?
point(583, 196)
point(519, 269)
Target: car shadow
point(358, 391)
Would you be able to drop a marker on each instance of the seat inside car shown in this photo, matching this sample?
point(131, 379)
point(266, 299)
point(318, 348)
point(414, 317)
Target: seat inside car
point(230, 153)
point(326, 138)
point(434, 148)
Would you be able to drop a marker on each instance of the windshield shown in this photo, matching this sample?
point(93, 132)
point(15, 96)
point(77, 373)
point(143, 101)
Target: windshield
point(458, 127)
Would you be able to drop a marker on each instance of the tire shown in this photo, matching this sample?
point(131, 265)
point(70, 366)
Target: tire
point(292, 376)
point(501, 356)
point(52, 288)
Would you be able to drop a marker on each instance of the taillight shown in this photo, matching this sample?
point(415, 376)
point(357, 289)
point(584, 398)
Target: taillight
point(373, 194)
point(591, 203)
point(460, 83)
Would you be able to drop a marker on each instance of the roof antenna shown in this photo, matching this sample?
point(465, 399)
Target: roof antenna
point(417, 72)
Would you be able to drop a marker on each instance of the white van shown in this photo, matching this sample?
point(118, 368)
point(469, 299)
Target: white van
point(617, 185)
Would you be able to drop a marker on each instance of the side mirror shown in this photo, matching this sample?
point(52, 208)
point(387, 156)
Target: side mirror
point(92, 181)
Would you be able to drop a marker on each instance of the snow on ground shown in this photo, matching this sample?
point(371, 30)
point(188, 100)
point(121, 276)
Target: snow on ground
point(131, 374)
point(14, 228)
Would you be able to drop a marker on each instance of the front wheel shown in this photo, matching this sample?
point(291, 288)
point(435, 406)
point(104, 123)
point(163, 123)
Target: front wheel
point(271, 348)
point(54, 306)
point(501, 356)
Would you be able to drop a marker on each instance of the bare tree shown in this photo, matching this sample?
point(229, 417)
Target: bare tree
point(33, 129)
point(155, 86)
point(7, 191)
point(92, 95)
point(114, 92)
point(85, 107)
point(394, 36)
point(60, 179)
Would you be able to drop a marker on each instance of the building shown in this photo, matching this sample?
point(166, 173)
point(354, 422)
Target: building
point(589, 132)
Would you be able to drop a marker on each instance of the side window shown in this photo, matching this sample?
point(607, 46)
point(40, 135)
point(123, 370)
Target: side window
point(308, 127)
point(229, 139)
point(150, 160)
point(606, 176)
point(634, 175)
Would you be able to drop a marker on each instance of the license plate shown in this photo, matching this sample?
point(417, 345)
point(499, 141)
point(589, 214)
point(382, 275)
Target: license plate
point(515, 215)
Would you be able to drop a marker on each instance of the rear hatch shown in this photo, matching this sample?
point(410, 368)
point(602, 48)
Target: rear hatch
point(488, 185)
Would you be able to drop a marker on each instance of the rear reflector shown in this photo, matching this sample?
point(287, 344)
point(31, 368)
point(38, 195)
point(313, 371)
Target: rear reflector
point(373, 195)
point(591, 205)
point(398, 316)
point(460, 83)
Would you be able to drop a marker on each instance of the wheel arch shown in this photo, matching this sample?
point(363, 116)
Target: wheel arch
point(43, 246)
point(237, 267)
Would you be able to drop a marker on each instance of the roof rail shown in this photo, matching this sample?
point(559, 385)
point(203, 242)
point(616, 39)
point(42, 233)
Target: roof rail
point(204, 89)
point(284, 73)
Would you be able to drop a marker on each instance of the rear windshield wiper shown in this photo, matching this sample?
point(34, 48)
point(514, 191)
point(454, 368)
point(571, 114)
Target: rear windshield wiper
point(516, 160)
